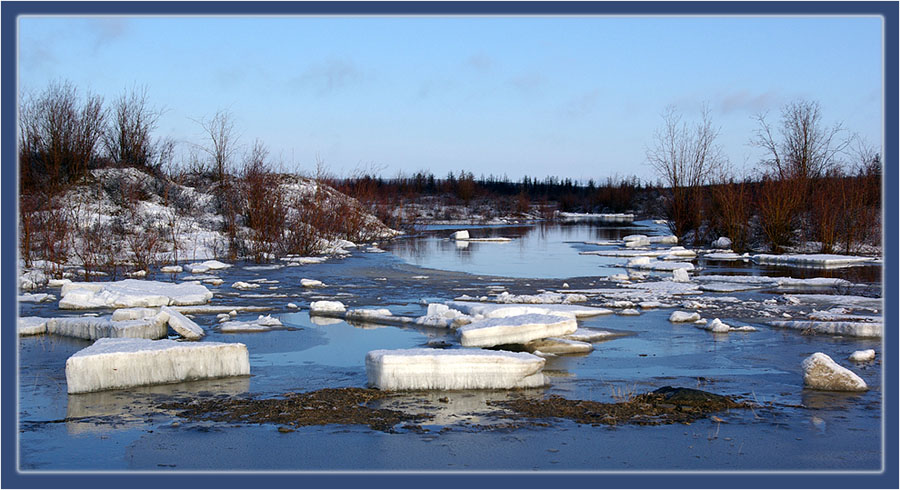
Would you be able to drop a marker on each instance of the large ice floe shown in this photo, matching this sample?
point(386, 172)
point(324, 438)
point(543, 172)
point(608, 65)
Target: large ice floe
point(518, 329)
point(684, 317)
point(819, 261)
point(723, 283)
point(849, 329)
point(32, 325)
point(452, 369)
point(122, 363)
point(93, 328)
point(131, 293)
point(820, 372)
point(493, 310)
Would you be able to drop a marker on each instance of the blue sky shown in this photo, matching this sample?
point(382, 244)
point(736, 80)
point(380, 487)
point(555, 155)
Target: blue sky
point(574, 97)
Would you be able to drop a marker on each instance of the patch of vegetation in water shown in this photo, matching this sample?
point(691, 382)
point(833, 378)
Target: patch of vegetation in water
point(666, 405)
point(320, 407)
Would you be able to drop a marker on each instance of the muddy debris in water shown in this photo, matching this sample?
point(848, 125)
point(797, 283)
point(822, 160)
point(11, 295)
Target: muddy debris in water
point(666, 405)
point(327, 406)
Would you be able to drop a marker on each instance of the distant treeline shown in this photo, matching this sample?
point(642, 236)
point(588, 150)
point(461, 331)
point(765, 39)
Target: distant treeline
point(611, 195)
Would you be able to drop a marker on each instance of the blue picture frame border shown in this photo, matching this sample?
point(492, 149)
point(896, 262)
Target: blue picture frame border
point(12, 478)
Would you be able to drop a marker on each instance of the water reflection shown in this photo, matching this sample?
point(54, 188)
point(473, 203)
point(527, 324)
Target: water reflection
point(123, 409)
point(541, 250)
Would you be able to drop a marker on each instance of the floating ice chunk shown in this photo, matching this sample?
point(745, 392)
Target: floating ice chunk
point(304, 260)
point(92, 328)
point(632, 241)
point(683, 317)
point(133, 313)
point(460, 235)
point(212, 309)
point(590, 335)
point(214, 281)
point(629, 312)
point(171, 269)
point(723, 242)
point(439, 315)
point(680, 275)
point(261, 324)
point(619, 277)
point(35, 297)
point(58, 283)
point(658, 265)
point(851, 329)
point(137, 274)
point(820, 372)
point(182, 324)
point(678, 253)
point(494, 239)
point(123, 363)
point(835, 300)
point(863, 355)
point(716, 326)
point(32, 325)
point(327, 308)
point(543, 298)
point(311, 283)
point(490, 310)
point(515, 329)
point(557, 345)
point(131, 293)
point(292, 306)
point(598, 217)
point(821, 261)
point(729, 255)
point(622, 253)
point(209, 265)
point(452, 369)
point(244, 286)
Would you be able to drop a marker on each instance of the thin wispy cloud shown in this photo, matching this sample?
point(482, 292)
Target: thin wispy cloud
point(330, 76)
point(481, 63)
point(107, 30)
point(581, 105)
point(746, 101)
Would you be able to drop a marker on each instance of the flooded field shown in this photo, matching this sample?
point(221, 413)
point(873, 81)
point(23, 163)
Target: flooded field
point(786, 427)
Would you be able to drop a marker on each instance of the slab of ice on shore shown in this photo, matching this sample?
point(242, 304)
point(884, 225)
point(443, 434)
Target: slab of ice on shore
point(171, 269)
point(182, 324)
point(35, 297)
point(32, 325)
point(93, 328)
point(820, 372)
point(122, 363)
point(850, 329)
point(131, 293)
point(452, 369)
point(492, 310)
point(515, 329)
point(840, 300)
point(598, 217)
point(819, 261)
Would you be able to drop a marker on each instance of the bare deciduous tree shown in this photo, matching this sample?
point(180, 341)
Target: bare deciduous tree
point(129, 141)
point(805, 147)
point(222, 140)
point(685, 157)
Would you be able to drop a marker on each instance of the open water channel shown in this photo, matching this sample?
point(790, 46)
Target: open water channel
point(791, 428)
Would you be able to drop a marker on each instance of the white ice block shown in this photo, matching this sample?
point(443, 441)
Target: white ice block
point(460, 235)
point(92, 328)
point(819, 261)
point(131, 293)
point(555, 345)
point(683, 317)
point(133, 313)
point(491, 310)
point(453, 369)
point(32, 325)
point(122, 363)
point(209, 265)
point(863, 355)
point(311, 283)
point(851, 329)
point(261, 324)
point(182, 324)
point(591, 335)
point(327, 308)
point(515, 329)
point(820, 372)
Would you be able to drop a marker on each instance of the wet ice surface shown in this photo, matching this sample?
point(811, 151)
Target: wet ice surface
point(801, 430)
